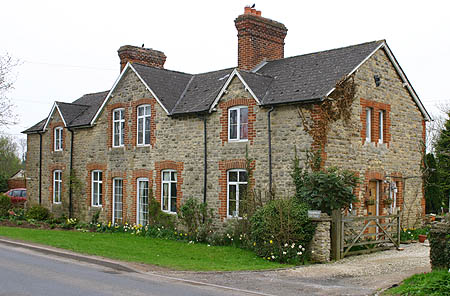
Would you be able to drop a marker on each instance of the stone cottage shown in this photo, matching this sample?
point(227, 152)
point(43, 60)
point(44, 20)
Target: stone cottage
point(183, 135)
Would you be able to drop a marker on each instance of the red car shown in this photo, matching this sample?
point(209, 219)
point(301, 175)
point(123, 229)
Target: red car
point(17, 195)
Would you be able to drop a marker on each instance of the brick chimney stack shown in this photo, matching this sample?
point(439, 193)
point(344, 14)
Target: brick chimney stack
point(259, 39)
point(145, 56)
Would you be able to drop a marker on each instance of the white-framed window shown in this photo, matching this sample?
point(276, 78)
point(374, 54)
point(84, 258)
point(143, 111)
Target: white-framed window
point(169, 191)
point(142, 201)
point(143, 125)
point(117, 200)
point(238, 123)
point(368, 124)
point(236, 188)
point(57, 182)
point(118, 127)
point(96, 188)
point(381, 126)
point(58, 143)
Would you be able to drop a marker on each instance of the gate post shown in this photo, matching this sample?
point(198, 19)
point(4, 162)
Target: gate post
point(336, 234)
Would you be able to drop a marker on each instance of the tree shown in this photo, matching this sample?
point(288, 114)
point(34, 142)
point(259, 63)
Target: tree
point(433, 192)
point(442, 151)
point(9, 162)
point(7, 115)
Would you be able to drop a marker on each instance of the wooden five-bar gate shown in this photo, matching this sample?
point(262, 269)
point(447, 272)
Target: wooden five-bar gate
point(351, 235)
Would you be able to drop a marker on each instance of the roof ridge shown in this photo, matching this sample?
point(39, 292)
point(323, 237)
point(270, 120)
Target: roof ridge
point(256, 73)
point(162, 69)
point(324, 51)
point(58, 102)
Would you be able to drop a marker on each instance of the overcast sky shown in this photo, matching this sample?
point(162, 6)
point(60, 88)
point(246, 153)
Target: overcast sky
point(69, 48)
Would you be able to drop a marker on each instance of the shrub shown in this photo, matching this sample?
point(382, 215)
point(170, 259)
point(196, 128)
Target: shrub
point(281, 230)
point(196, 218)
point(156, 217)
point(326, 189)
point(37, 213)
point(5, 205)
point(440, 245)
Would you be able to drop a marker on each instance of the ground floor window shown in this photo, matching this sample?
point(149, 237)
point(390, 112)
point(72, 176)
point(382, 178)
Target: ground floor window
point(117, 200)
point(237, 186)
point(142, 201)
point(96, 188)
point(57, 182)
point(169, 191)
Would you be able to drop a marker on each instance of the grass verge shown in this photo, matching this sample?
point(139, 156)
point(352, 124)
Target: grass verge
point(435, 283)
point(160, 252)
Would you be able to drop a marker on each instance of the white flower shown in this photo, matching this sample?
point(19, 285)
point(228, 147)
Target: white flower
point(208, 245)
point(284, 253)
point(286, 244)
point(299, 253)
point(273, 257)
point(303, 249)
point(299, 246)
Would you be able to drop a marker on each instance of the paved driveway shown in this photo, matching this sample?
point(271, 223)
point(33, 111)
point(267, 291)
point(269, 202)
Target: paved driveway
point(357, 275)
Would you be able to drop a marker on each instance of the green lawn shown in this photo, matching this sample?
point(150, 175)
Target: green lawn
point(436, 283)
point(166, 253)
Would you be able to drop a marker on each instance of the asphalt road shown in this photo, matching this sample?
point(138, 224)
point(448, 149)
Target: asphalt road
point(25, 272)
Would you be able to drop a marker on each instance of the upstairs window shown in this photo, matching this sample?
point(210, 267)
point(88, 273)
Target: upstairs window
point(58, 139)
point(57, 182)
point(368, 124)
point(238, 123)
point(381, 126)
point(118, 127)
point(143, 125)
point(169, 191)
point(96, 188)
point(237, 187)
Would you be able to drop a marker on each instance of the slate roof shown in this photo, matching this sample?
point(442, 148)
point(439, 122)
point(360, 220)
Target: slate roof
point(312, 76)
point(79, 113)
point(300, 78)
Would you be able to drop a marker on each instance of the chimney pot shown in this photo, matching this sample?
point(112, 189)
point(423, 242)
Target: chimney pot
point(247, 10)
point(145, 56)
point(258, 12)
point(253, 11)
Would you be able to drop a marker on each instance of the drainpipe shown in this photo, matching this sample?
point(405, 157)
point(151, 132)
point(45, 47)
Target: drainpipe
point(40, 168)
point(71, 173)
point(270, 148)
point(205, 159)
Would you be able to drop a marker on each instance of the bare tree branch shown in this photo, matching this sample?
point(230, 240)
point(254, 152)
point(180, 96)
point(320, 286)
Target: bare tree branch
point(7, 114)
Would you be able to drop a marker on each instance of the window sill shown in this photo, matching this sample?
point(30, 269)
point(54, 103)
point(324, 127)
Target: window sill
point(168, 212)
point(96, 206)
point(234, 141)
point(56, 203)
point(142, 145)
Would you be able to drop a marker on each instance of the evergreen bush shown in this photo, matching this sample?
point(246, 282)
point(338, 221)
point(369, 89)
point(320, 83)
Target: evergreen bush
point(38, 213)
point(5, 205)
point(281, 230)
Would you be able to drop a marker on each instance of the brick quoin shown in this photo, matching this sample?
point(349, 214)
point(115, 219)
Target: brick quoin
point(259, 39)
point(316, 145)
point(375, 133)
point(109, 129)
point(52, 126)
point(110, 185)
point(224, 106)
point(96, 167)
point(169, 165)
point(52, 168)
point(135, 105)
point(224, 166)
